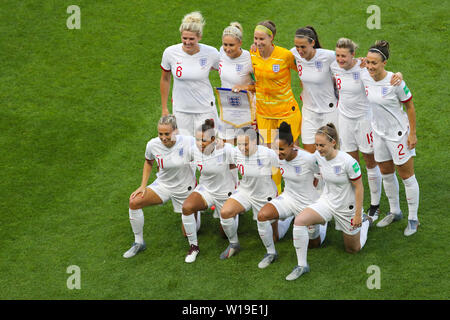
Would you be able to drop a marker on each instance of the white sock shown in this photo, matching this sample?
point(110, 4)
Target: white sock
point(283, 226)
point(190, 226)
point(199, 220)
point(301, 239)
point(363, 233)
point(137, 224)
point(412, 196)
point(323, 231)
point(391, 189)
point(229, 226)
point(266, 233)
point(374, 179)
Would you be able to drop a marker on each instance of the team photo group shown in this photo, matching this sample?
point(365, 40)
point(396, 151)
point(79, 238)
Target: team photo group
point(297, 162)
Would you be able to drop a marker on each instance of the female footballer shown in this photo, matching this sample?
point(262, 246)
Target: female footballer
point(175, 179)
point(318, 94)
point(297, 168)
point(275, 101)
point(216, 182)
point(394, 135)
point(255, 189)
point(235, 70)
point(341, 199)
point(189, 62)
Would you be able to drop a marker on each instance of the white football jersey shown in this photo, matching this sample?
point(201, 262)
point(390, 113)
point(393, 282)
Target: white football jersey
point(215, 173)
point(298, 176)
point(317, 81)
point(256, 172)
point(173, 163)
point(353, 101)
point(337, 173)
point(235, 71)
point(192, 91)
point(389, 120)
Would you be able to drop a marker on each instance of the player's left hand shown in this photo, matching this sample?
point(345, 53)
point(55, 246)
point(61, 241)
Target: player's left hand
point(396, 79)
point(412, 140)
point(356, 221)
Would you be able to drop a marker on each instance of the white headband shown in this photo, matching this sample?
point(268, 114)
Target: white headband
point(375, 49)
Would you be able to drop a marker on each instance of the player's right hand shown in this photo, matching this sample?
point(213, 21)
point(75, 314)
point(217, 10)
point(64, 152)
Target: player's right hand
point(138, 190)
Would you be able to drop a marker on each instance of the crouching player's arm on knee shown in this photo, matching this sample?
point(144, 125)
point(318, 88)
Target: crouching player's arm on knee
point(359, 198)
point(148, 164)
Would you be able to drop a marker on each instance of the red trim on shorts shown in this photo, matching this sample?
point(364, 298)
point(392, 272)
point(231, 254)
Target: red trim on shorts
point(357, 178)
point(164, 69)
point(406, 100)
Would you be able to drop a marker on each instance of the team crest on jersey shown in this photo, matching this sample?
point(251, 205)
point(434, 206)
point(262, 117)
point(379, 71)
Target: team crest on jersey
point(203, 62)
point(181, 152)
point(298, 170)
point(337, 169)
point(355, 75)
point(239, 67)
point(384, 91)
point(234, 101)
point(319, 65)
point(259, 162)
point(276, 67)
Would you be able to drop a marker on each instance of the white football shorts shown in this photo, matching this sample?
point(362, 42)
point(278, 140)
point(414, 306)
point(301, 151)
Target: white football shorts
point(397, 151)
point(176, 195)
point(355, 134)
point(311, 121)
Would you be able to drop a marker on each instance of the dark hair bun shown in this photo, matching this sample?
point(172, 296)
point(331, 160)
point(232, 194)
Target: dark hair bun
point(209, 123)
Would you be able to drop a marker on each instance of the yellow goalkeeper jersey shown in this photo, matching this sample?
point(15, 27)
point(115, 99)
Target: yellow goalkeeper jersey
point(274, 96)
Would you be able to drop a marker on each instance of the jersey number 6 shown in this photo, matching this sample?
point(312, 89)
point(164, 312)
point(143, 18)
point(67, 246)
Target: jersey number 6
point(178, 72)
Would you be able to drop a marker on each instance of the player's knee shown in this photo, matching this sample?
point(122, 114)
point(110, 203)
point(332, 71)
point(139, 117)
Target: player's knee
point(134, 204)
point(262, 216)
point(187, 209)
point(226, 213)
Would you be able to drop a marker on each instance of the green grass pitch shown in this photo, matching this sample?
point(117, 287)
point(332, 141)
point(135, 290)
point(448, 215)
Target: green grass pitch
point(78, 107)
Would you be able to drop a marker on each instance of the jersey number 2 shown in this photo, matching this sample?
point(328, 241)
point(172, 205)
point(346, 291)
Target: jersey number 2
point(400, 152)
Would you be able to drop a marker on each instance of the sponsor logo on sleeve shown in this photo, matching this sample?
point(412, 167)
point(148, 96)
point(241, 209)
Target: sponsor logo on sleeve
point(356, 167)
point(406, 89)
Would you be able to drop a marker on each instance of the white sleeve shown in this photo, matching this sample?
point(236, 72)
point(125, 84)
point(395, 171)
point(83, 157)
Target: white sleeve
point(165, 62)
point(353, 169)
point(215, 56)
point(230, 153)
point(331, 56)
point(274, 158)
point(314, 166)
point(402, 92)
point(148, 152)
